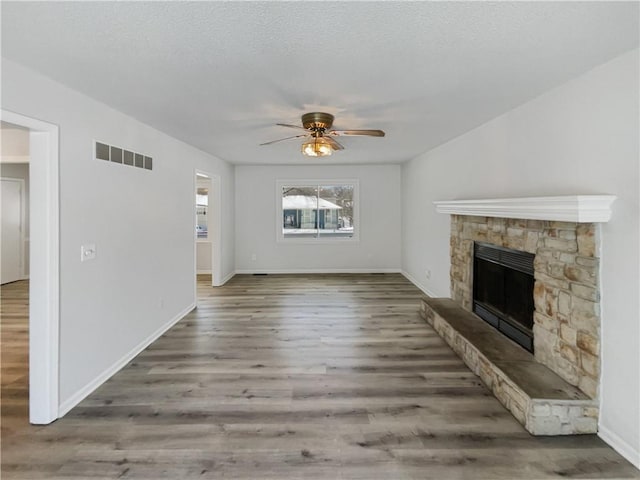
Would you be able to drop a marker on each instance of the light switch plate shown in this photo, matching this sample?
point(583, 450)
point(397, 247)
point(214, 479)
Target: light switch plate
point(87, 252)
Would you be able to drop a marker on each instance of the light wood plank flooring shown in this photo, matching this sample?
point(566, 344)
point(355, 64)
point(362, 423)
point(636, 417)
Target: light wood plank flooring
point(14, 357)
point(291, 377)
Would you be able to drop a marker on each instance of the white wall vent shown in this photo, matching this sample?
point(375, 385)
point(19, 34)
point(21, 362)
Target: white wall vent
point(110, 153)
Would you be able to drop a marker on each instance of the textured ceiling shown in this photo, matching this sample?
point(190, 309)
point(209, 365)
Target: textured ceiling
point(219, 75)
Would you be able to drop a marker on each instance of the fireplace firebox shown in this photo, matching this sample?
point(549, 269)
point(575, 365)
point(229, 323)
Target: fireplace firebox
point(503, 291)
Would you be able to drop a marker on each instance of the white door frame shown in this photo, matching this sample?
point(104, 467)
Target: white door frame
point(44, 272)
point(22, 274)
point(215, 196)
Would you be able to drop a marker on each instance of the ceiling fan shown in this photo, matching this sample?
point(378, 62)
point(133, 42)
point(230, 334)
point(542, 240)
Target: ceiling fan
point(320, 139)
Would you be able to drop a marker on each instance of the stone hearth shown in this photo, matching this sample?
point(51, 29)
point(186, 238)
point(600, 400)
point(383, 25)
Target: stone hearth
point(538, 398)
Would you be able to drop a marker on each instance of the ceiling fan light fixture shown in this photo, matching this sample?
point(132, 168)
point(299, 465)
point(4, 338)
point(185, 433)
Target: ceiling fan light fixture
point(320, 137)
point(317, 147)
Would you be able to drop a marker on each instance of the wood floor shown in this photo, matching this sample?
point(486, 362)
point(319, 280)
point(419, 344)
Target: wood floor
point(14, 358)
point(288, 377)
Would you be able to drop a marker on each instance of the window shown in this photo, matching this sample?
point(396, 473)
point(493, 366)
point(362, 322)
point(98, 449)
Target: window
point(312, 211)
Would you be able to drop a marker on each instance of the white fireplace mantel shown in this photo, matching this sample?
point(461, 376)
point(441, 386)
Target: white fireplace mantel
point(566, 208)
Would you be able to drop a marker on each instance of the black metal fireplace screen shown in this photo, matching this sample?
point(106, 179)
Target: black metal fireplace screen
point(503, 291)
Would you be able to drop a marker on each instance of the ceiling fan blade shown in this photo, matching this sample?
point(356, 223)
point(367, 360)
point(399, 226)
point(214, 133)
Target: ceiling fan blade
point(334, 143)
point(287, 138)
point(369, 133)
point(290, 126)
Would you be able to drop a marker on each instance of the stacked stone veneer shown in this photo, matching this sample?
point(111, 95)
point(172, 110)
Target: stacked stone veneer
point(566, 293)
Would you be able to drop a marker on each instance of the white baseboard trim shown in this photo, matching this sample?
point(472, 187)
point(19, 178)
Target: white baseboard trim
point(424, 289)
point(318, 270)
point(228, 277)
point(628, 451)
point(81, 394)
point(203, 272)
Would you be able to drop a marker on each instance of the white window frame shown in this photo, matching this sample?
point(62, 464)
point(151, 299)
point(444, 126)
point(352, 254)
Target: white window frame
point(323, 182)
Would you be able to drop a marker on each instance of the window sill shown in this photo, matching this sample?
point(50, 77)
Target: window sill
point(317, 241)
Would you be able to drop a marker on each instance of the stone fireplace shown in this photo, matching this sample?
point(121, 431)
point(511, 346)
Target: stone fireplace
point(566, 328)
point(562, 234)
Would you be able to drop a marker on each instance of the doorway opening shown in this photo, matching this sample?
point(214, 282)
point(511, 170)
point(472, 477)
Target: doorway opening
point(14, 178)
point(14, 275)
point(207, 229)
point(204, 252)
point(38, 250)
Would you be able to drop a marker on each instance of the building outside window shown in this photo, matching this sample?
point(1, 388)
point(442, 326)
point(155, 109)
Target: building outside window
point(320, 210)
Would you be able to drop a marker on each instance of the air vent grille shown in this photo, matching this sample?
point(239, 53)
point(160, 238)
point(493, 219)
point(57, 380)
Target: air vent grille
point(111, 153)
point(521, 261)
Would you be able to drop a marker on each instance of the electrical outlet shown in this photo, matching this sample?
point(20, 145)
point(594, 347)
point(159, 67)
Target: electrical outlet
point(87, 252)
point(254, 257)
point(428, 274)
point(161, 302)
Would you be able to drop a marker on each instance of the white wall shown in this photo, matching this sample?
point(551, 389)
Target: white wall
point(203, 257)
point(21, 170)
point(141, 222)
point(377, 250)
point(581, 138)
